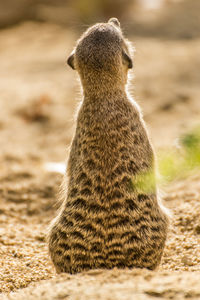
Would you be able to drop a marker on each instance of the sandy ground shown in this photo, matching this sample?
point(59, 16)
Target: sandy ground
point(38, 97)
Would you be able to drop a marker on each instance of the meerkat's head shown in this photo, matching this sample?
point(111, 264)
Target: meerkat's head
point(103, 53)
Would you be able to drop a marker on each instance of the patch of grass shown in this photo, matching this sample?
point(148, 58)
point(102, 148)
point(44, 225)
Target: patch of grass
point(144, 182)
point(175, 164)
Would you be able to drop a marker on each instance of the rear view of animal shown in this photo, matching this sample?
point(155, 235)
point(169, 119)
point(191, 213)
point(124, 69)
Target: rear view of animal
point(110, 216)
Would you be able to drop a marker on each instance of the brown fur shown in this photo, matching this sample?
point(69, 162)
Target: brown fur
point(108, 218)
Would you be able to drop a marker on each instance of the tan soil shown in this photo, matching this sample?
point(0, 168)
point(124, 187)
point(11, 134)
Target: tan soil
point(39, 95)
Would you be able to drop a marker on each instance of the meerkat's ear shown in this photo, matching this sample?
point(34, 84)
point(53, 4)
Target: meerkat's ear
point(127, 60)
point(70, 60)
point(114, 21)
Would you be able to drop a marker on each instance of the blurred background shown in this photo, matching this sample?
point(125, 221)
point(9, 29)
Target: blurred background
point(160, 18)
point(39, 95)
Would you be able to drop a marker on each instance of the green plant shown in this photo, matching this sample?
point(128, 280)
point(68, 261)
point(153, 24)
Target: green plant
point(174, 164)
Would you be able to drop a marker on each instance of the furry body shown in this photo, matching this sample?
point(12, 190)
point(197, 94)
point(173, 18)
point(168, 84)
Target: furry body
point(108, 218)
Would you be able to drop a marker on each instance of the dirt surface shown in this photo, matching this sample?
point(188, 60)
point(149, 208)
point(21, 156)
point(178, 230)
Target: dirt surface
point(38, 98)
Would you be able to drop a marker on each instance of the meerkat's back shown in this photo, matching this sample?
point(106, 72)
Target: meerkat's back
point(111, 216)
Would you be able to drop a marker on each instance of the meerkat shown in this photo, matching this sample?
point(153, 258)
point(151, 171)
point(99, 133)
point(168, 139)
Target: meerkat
point(111, 215)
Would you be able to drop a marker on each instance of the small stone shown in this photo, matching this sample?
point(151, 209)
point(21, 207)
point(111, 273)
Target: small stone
point(197, 229)
point(187, 261)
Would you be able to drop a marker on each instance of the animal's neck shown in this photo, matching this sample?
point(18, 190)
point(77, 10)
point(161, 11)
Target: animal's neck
point(101, 86)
